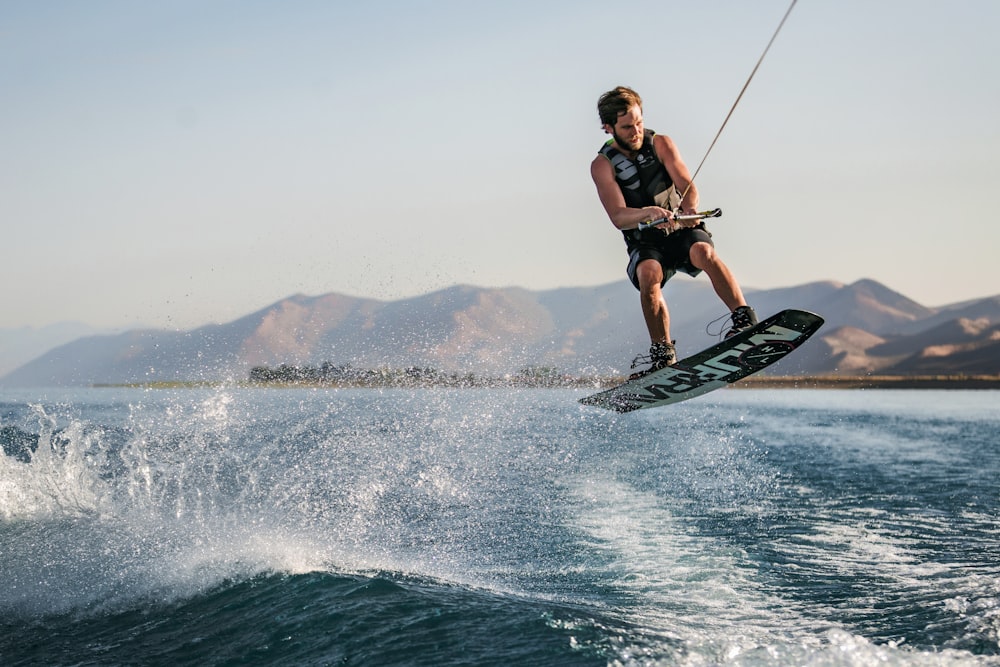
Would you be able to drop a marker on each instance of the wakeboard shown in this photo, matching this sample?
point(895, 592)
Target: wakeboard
point(724, 363)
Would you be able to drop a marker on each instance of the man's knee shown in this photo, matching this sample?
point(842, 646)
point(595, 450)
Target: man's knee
point(649, 273)
point(703, 255)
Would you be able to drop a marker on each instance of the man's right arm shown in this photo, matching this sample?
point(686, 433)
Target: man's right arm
point(613, 200)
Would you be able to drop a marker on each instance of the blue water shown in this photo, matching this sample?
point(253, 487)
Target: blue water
point(498, 527)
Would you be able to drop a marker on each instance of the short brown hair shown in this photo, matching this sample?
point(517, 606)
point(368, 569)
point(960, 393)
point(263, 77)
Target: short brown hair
point(616, 102)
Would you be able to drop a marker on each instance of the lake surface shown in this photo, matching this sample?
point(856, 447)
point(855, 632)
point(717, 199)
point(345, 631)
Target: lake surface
point(498, 527)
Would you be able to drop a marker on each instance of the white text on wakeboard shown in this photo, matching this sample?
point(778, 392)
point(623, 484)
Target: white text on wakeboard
point(722, 368)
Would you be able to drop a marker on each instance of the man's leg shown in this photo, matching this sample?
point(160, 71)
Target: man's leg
point(654, 308)
point(649, 274)
point(704, 257)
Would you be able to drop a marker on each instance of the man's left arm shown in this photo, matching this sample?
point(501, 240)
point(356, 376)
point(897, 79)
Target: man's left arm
point(670, 156)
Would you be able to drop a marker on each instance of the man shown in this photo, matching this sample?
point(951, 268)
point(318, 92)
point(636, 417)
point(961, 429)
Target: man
point(640, 177)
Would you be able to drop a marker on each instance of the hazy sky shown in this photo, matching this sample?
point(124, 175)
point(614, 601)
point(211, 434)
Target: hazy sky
point(178, 163)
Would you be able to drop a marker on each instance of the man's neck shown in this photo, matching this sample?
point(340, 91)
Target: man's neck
point(624, 150)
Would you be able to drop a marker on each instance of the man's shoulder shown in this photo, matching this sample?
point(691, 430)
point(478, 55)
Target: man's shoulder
point(661, 139)
point(605, 153)
point(601, 164)
point(607, 148)
point(664, 148)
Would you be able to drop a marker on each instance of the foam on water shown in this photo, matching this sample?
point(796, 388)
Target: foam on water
point(695, 536)
point(104, 518)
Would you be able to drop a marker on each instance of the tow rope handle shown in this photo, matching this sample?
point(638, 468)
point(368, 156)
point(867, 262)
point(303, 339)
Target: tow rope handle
point(701, 215)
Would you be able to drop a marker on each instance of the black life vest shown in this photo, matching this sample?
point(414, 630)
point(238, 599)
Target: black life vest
point(641, 179)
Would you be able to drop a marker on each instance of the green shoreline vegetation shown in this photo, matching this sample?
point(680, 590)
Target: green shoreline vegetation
point(347, 377)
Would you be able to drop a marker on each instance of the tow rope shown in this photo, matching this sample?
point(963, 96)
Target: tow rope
point(738, 97)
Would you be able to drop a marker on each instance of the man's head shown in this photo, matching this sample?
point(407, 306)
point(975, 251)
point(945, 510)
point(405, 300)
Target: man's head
point(621, 116)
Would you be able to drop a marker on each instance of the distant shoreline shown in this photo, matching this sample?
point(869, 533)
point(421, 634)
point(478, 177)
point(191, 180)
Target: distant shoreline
point(871, 382)
point(752, 382)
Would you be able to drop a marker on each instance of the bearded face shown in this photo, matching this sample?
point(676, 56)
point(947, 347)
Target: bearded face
point(628, 129)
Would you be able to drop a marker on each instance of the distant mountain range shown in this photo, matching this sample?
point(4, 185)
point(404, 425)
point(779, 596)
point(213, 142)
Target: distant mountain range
point(869, 329)
point(23, 344)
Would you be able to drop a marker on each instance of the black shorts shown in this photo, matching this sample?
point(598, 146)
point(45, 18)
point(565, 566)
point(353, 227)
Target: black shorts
point(671, 251)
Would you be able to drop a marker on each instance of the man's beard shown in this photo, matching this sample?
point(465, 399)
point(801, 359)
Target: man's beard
point(625, 144)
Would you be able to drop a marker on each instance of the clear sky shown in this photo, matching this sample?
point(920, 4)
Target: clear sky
point(181, 162)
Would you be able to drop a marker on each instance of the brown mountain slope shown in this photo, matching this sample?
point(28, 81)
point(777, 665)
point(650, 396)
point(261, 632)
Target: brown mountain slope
point(592, 330)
